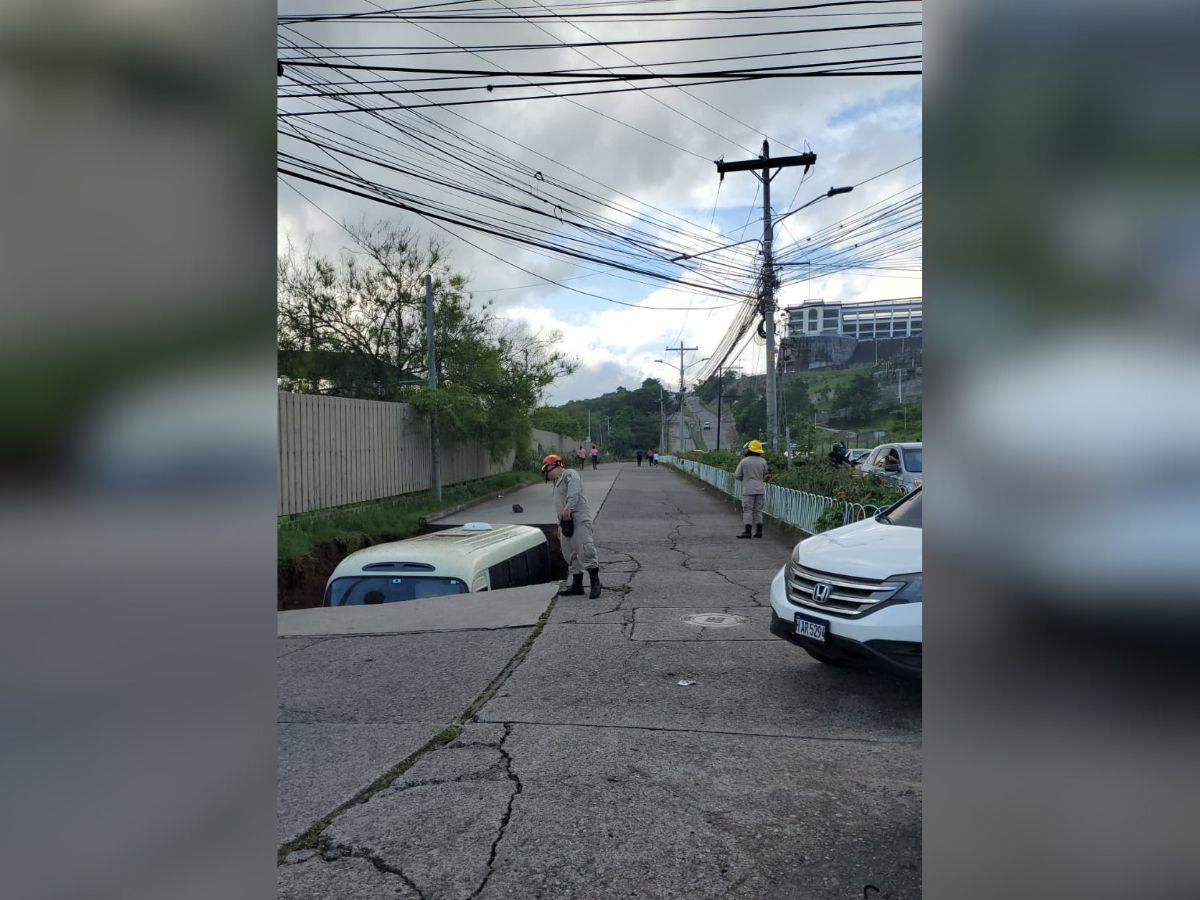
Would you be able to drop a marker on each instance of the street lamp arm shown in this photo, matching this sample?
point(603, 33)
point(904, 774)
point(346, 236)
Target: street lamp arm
point(832, 192)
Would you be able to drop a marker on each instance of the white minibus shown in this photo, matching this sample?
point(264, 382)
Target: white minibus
point(473, 557)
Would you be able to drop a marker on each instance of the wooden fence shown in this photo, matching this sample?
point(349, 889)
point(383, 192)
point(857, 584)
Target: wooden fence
point(334, 451)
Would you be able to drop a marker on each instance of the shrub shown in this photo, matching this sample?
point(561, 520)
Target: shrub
point(814, 475)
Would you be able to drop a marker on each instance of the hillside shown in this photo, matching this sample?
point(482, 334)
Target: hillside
point(622, 420)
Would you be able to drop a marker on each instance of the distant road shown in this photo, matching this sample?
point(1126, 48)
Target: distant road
point(698, 413)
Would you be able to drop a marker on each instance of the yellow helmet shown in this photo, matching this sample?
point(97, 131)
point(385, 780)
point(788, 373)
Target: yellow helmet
point(755, 447)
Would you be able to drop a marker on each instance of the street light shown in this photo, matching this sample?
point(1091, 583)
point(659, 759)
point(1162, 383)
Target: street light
point(832, 192)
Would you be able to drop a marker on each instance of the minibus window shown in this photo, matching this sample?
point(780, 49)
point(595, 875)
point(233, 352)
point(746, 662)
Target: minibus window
point(519, 570)
point(500, 576)
point(374, 590)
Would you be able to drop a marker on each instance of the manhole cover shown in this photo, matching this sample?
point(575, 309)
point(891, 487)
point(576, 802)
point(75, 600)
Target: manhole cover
point(714, 620)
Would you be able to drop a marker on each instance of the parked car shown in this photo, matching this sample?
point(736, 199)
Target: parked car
point(853, 595)
point(898, 464)
point(706, 426)
point(474, 557)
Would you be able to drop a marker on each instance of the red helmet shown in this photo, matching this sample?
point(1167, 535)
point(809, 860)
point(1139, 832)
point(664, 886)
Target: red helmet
point(551, 461)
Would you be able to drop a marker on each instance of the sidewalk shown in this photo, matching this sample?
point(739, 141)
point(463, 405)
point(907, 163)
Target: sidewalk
point(536, 501)
point(593, 773)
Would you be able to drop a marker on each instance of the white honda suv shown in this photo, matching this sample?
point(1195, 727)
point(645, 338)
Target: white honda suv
point(853, 594)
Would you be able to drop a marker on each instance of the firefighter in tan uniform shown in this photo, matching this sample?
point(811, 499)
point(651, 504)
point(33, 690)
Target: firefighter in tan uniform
point(575, 526)
point(752, 473)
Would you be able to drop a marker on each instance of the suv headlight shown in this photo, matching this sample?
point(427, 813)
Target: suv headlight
point(912, 590)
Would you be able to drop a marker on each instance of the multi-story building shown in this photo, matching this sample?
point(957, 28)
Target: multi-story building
point(864, 321)
point(822, 334)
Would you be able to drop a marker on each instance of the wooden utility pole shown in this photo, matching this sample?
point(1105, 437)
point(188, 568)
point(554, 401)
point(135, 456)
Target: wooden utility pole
point(435, 463)
point(720, 393)
point(765, 168)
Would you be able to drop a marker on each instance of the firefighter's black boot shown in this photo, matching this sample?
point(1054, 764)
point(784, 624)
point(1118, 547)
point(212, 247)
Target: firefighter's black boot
point(746, 533)
point(758, 530)
point(576, 588)
point(594, 581)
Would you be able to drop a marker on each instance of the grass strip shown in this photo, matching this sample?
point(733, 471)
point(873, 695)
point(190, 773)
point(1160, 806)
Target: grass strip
point(392, 517)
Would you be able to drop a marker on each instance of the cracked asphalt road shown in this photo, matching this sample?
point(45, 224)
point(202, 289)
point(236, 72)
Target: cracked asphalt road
point(591, 773)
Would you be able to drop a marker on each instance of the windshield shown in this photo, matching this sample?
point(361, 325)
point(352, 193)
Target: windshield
point(907, 512)
point(912, 460)
point(387, 589)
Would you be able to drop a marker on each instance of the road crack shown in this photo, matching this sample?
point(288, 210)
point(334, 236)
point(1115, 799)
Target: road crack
point(517, 789)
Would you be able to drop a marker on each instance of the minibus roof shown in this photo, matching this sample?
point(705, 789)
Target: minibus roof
point(444, 553)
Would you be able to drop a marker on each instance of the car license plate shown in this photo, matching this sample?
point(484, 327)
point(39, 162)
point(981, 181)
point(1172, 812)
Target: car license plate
point(812, 628)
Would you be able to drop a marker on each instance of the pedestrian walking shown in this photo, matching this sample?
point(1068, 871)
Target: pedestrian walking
point(653, 457)
point(751, 471)
point(581, 454)
point(575, 527)
point(595, 457)
point(638, 454)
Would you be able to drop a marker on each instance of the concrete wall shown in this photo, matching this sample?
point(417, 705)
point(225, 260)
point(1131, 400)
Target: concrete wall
point(334, 451)
point(545, 442)
point(829, 351)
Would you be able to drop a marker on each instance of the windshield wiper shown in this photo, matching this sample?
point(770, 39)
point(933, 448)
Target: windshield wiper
point(884, 518)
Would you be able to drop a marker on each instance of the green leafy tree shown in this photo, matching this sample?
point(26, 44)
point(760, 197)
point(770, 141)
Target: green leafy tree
point(857, 397)
point(750, 415)
point(355, 327)
point(624, 419)
point(553, 418)
point(801, 415)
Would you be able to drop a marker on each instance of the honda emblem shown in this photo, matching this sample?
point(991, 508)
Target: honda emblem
point(821, 591)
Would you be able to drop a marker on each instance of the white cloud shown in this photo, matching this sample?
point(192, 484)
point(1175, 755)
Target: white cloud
point(857, 126)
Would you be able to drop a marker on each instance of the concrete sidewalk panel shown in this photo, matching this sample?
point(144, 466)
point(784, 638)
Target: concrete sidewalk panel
point(600, 677)
point(506, 608)
point(392, 678)
point(629, 813)
point(440, 835)
point(536, 501)
point(685, 587)
point(347, 879)
point(322, 765)
point(675, 624)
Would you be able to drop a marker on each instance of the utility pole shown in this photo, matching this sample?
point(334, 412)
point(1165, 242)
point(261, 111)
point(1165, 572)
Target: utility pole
point(435, 463)
point(720, 393)
point(762, 168)
point(681, 350)
point(662, 421)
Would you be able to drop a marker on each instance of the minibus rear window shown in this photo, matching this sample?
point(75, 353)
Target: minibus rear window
point(389, 589)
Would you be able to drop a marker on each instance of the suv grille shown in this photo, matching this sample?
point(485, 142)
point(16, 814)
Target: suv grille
point(848, 596)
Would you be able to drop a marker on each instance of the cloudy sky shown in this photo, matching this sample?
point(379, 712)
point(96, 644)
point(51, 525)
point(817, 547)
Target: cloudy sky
point(655, 146)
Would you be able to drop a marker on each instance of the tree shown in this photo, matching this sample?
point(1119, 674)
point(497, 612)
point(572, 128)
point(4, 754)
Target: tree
point(857, 398)
point(552, 418)
point(801, 415)
point(355, 327)
point(750, 415)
